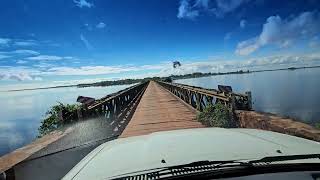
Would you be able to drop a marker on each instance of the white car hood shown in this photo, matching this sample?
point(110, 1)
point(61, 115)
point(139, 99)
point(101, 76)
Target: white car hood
point(125, 155)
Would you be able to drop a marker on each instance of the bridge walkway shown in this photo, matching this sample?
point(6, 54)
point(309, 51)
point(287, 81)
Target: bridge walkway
point(160, 110)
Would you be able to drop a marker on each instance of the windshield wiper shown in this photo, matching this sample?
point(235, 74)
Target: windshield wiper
point(208, 166)
point(271, 159)
point(190, 168)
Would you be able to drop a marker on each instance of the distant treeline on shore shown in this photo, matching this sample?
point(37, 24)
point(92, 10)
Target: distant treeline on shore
point(167, 79)
point(185, 76)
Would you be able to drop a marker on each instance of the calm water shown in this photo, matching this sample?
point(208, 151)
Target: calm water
point(289, 93)
point(21, 112)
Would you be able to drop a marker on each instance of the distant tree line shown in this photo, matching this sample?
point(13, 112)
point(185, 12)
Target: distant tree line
point(166, 79)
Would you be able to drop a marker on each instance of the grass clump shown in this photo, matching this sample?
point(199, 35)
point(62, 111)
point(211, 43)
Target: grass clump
point(217, 115)
point(52, 121)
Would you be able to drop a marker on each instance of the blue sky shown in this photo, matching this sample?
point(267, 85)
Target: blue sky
point(71, 41)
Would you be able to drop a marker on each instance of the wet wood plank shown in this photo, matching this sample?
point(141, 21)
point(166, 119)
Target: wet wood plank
point(159, 110)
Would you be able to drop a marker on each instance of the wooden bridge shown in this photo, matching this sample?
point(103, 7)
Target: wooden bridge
point(141, 109)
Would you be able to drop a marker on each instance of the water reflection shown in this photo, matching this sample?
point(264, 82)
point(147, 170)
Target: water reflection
point(289, 93)
point(22, 111)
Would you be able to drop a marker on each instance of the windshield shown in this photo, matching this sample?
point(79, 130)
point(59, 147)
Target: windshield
point(206, 76)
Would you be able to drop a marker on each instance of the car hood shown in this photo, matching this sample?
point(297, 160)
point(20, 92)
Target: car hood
point(125, 155)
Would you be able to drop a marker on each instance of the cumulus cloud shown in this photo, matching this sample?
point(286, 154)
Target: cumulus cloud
point(186, 10)
point(283, 32)
point(19, 73)
point(219, 8)
point(86, 42)
point(243, 23)
point(270, 62)
point(247, 47)
point(83, 3)
point(101, 25)
point(18, 77)
point(23, 73)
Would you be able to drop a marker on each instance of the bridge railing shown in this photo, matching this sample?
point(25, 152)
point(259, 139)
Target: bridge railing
point(114, 104)
point(200, 98)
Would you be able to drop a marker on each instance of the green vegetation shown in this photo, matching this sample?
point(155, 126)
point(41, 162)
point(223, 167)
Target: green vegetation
point(317, 125)
point(52, 119)
point(217, 115)
point(166, 79)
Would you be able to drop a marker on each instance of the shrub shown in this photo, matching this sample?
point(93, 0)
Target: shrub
point(217, 115)
point(51, 120)
point(317, 125)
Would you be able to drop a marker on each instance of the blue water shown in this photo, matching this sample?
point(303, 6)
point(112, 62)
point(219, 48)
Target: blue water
point(288, 93)
point(22, 111)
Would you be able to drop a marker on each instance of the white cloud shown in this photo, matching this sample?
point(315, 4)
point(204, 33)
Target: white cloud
point(25, 52)
point(101, 25)
point(4, 41)
point(243, 23)
point(19, 73)
point(20, 52)
point(83, 3)
point(219, 8)
point(45, 58)
point(247, 47)
point(18, 76)
point(202, 3)
point(21, 62)
point(225, 6)
point(89, 70)
point(4, 56)
point(23, 73)
point(86, 42)
point(186, 10)
point(283, 32)
point(270, 62)
point(25, 43)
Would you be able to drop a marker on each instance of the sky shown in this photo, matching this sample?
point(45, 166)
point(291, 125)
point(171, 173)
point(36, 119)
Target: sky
point(45, 43)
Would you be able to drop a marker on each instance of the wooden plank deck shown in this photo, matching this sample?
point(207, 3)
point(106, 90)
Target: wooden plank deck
point(159, 110)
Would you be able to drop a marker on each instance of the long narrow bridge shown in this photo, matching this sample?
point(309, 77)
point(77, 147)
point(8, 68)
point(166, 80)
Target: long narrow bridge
point(138, 110)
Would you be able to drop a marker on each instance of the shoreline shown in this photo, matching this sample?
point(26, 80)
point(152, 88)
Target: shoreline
point(177, 77)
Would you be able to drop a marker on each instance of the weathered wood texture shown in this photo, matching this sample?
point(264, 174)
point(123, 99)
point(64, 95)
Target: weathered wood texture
point(272, 122)
point(159, 110)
